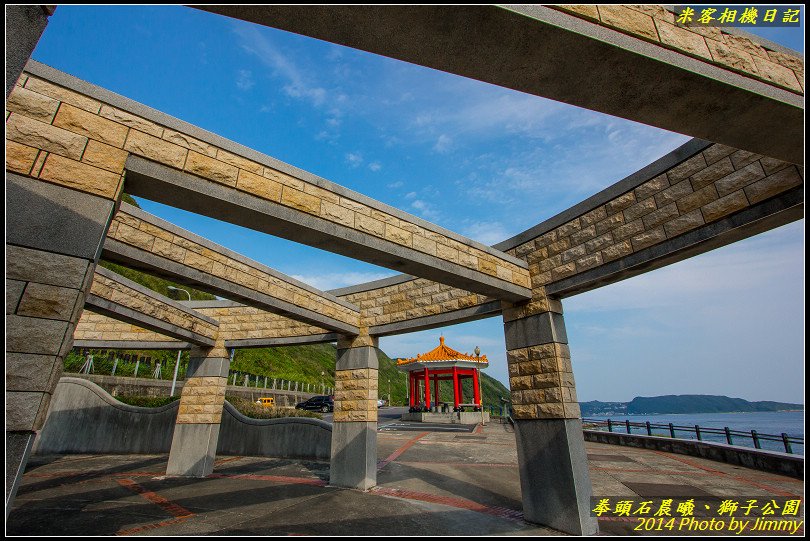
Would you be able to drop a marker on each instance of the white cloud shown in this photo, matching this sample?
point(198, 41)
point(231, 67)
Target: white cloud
point(244, 80)
point(425, 209)
point(395, 185)
point(335, 280)
point(488, 233)
point(410, 195)
point(443, 144)
point(257, 43)
point(355, 159)
point(375, 166)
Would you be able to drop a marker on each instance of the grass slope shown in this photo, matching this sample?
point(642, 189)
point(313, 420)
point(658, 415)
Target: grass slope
point(306, 363)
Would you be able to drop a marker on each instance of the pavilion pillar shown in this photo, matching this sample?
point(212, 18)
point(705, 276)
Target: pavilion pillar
point(411, 393)
point(427, 389)
point(436, 394)
point(196, 430)
point(353, 461)
point(555, 485)
point(476, 388)
point(455, 389)
point(54, 236)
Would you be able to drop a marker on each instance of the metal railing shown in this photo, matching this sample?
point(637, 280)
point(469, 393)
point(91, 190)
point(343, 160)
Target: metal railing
point(732, 437)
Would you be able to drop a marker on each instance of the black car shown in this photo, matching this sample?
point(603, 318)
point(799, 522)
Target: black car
point(317, 403)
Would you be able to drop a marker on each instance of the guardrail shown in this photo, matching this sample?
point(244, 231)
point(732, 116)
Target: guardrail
point(698, 431)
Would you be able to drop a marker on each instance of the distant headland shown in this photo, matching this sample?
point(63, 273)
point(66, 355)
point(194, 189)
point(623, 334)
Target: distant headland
point(684, 403)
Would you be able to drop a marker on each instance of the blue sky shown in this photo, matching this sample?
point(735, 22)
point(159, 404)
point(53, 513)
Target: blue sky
point(478, 159)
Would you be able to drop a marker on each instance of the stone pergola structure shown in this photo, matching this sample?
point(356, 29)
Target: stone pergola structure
point(73, 148)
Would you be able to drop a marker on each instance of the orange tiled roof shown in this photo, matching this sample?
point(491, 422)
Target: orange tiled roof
point(443, 353)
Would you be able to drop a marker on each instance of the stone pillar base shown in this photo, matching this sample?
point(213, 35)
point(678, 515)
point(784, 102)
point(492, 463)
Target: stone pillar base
point(554, 478)
point(196, 432)
point(194, 448)
point(354, 455)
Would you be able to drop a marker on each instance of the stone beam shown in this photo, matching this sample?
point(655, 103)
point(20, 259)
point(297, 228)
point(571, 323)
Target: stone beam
point(729, 88)
point(124, 344)
point(141, 240)
point(120, 298)
point(98, 134)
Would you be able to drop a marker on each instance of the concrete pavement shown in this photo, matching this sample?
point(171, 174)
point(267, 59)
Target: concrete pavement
point(429, 483)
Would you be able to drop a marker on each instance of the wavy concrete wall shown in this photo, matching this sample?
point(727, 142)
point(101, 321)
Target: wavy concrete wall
point(84, 418)
point(291, 437)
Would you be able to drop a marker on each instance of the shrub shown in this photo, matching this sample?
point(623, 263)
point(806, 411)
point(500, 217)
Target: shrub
point(146, 401)
point(253, 410)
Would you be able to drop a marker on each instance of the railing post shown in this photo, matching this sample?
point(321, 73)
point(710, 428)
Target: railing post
point(671, 431)
point(697, 432)
point(627, 424)
point(786, 441)
point(756, 439)
point(610, 425)
point(728, 435)
point(649, 429)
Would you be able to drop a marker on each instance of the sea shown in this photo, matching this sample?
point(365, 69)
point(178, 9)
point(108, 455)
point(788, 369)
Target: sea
point(764, 422)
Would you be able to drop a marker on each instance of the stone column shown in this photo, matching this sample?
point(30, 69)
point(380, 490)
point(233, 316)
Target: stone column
point(196, 432)
point(54, 237)
point(555, 484)
point(24, 27)
point(354, 432)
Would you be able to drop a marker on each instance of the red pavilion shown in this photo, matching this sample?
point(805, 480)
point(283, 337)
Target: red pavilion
point(442, 363)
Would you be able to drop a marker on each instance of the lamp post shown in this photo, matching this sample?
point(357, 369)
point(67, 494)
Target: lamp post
point(177, 363)
point(389, 392)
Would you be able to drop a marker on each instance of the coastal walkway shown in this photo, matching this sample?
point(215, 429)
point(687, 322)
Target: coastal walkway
point(431, 481)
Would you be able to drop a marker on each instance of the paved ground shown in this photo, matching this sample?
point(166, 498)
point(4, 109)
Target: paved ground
point(429, 483)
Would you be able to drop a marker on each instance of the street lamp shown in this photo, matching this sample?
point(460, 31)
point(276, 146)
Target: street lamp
point(177, 364)
point(172, 288)
point(389, 392)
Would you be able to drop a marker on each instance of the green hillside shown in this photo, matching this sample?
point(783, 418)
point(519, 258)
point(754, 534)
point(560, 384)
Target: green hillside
point(696, 403)
point(306, 363)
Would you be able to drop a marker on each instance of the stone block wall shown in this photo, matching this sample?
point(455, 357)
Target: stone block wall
point(109, 286)
point(356, 395)
point(542, 382)
point(93, 326)
point(44, 295)
point(412, 299)
point(734, 52)
point(247, 322)
point(189, 251)
point(202, 399)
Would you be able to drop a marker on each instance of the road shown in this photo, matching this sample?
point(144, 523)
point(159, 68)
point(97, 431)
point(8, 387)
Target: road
point(385, 415)
point(388, 419)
